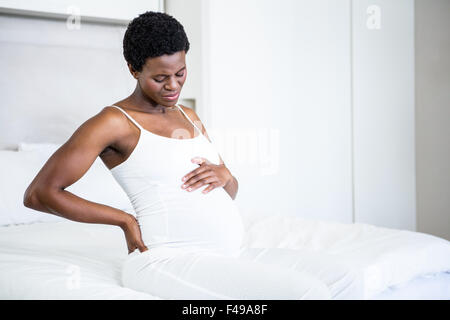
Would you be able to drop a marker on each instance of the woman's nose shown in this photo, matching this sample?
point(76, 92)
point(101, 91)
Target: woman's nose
point(172, 85)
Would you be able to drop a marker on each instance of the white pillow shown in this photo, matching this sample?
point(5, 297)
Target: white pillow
point(18, 168)
point(47, 147)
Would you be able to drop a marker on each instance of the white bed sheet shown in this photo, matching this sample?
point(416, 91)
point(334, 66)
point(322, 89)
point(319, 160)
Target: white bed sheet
point(70, 260)
point(63, 260)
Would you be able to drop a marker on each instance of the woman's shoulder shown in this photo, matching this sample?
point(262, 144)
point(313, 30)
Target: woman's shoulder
point(196, 119)
point(112, 114)
point(110, 119)
point(190, 112)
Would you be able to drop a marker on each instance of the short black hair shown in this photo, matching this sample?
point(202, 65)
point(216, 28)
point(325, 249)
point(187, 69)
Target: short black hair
point(152, 34)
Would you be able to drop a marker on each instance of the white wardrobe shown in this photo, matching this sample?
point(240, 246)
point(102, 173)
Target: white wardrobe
point(311, 104)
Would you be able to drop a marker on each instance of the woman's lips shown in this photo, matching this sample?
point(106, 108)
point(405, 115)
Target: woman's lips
point(171, 97)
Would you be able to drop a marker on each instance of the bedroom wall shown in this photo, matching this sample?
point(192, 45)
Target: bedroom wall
point(53, 78)
point(56, 74)
point(433, 116)
point(189, 15)
point(98, 10)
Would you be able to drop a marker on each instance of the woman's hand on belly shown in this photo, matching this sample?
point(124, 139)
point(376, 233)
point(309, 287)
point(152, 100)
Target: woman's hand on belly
point(207, 173)
point(133, 235)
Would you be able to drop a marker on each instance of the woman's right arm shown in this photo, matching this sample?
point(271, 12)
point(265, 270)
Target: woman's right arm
point(68, 164)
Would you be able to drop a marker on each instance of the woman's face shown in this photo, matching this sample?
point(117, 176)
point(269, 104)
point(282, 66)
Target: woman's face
point(162, 77)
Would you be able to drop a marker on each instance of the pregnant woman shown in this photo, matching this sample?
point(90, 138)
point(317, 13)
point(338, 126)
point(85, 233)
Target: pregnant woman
point(186, 239)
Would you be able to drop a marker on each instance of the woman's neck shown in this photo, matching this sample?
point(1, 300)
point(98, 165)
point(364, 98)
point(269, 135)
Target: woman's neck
point(139, 100)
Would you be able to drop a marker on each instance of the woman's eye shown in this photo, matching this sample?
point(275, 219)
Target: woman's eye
point(159, 81)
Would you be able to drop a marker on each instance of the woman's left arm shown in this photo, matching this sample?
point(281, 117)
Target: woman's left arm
point(232, 187)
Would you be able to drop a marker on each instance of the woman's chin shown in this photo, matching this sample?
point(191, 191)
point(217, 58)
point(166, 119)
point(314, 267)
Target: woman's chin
point(169, 104)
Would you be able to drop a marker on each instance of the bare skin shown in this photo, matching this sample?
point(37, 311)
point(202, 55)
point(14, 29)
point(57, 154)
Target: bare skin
point(115, 139)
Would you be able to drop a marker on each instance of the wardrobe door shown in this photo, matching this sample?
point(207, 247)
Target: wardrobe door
point(383, 107)
point(278, 80)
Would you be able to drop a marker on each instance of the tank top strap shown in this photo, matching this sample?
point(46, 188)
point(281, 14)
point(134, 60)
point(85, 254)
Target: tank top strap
point(129, 117)
point(181, 109)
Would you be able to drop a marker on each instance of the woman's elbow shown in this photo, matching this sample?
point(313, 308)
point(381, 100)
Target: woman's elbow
point(30, 199)
point(34, 197)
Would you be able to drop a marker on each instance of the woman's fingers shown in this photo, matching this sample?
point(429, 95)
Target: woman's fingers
point(200, 160)
point(140, 246)
point(133, 236)
point(206, 173)
point(209, 188)
point(195, 172)
point(191, 183)
point(201, 182)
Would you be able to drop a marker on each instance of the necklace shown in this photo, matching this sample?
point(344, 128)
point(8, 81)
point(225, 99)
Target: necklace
point(171, 108)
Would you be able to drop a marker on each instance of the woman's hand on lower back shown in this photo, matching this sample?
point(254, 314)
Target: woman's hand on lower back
point(133, 235)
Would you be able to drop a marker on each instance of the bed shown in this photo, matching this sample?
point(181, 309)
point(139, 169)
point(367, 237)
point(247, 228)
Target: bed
point(43, 256)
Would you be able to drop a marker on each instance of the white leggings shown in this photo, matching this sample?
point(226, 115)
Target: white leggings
point(255, 274)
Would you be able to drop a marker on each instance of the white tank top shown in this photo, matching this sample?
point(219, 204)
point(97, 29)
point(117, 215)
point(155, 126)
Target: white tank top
point(167, 214)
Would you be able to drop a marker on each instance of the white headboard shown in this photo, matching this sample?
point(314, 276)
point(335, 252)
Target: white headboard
point(53, 79)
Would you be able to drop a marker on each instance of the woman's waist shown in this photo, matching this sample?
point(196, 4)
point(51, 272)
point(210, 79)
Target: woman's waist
point(182, 202)
point(179, 216)
point(188, 226)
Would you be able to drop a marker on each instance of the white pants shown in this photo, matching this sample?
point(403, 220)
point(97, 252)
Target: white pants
point(255, 274)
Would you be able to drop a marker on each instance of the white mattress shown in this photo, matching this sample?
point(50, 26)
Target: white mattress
point(70, 260)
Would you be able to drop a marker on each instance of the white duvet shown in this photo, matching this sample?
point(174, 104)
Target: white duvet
point(385, 257)
point(70, 260)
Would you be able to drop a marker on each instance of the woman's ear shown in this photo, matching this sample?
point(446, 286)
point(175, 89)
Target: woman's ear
point(134, 73)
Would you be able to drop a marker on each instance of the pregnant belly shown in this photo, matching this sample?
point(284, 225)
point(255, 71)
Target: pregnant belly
point(211, 221)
